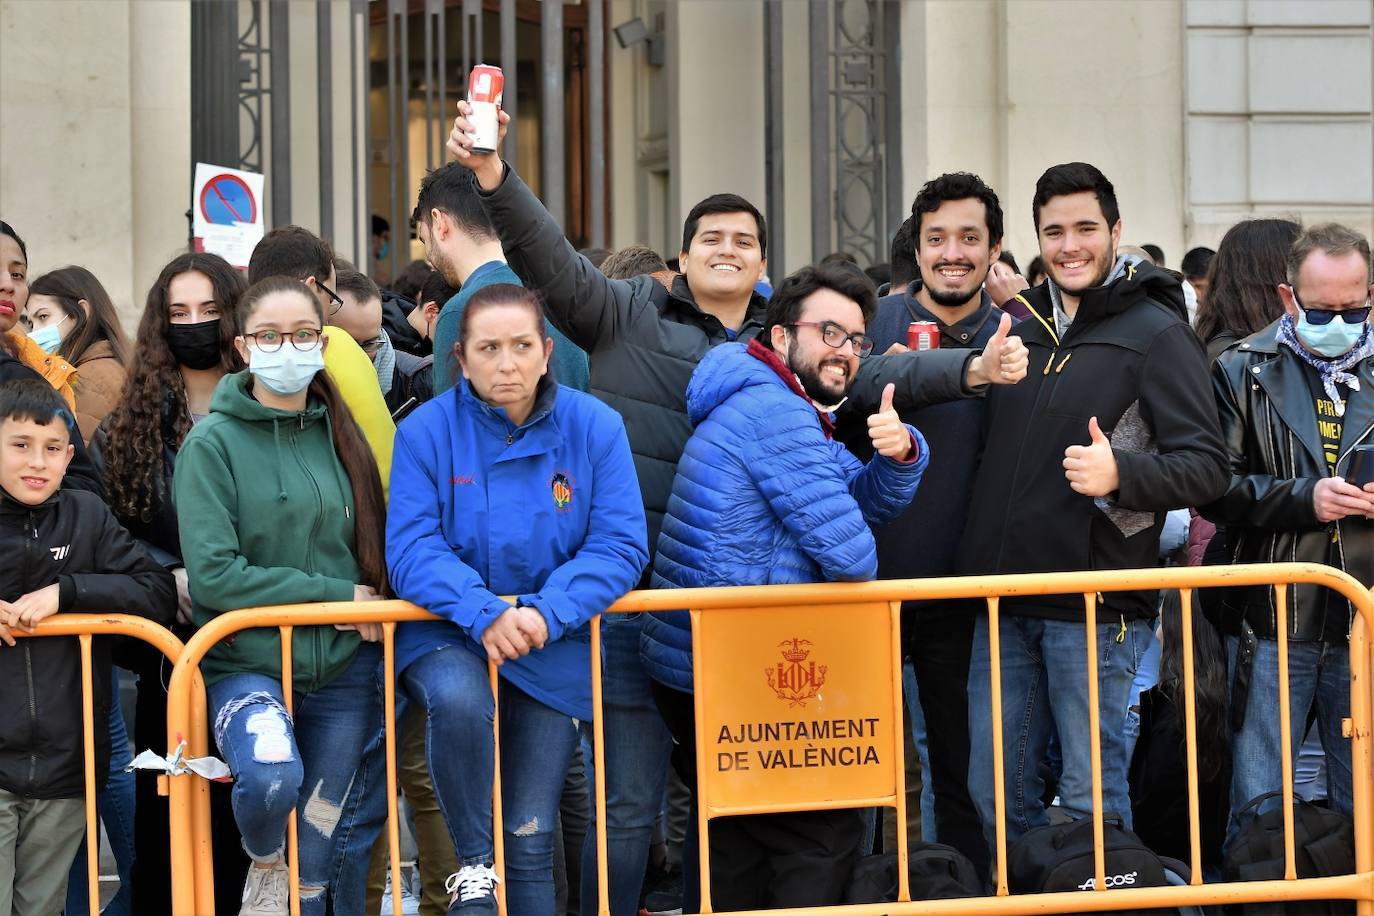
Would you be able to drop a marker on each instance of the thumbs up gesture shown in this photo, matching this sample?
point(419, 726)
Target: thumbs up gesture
point(1003, 361)
point(1091, 469)
point(890, 436)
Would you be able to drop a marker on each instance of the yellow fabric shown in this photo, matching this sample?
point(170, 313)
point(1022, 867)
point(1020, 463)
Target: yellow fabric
point(55, 370)
point(352, 372)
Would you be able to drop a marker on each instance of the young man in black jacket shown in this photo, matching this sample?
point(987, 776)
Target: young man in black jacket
point(955, 235)
point(644, 341)
point(1296, 400)
point(1110, 429)
point(63, 552)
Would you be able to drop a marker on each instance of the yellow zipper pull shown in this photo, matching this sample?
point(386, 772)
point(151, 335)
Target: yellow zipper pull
point(1121, 636)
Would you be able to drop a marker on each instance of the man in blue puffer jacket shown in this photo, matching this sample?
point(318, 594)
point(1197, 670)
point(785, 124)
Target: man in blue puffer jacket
point(764, 495)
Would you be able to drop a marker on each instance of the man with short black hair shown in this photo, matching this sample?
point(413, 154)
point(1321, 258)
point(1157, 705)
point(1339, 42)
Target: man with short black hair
point(647, 341)
point(293, 251)
point(404, 379)
point(1194, 268)
point(1296, 400)
point(462, 245)
point(956, 227)
point(1082, 461)
point(903, 258)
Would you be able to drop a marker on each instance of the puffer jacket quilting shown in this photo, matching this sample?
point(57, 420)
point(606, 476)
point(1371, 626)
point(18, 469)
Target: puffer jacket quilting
point(763, 496)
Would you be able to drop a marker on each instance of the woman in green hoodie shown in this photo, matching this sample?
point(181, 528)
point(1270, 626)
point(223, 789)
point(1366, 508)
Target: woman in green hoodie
point(281, 503)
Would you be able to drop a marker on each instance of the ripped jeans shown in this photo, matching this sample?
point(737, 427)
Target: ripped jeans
point(537, 744)
point(322, 761)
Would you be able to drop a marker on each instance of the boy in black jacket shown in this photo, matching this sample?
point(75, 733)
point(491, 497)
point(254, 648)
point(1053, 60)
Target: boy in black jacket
point(63, 552)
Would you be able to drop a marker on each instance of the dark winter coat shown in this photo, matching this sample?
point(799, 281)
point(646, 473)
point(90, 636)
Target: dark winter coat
point(1129, 359)
point(1269, 422)
point(74, 541)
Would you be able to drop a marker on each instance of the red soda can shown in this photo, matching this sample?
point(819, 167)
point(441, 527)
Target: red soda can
point(484, 95)
point(923, 335)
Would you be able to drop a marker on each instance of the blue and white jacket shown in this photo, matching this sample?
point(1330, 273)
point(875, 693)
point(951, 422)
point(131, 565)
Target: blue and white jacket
point(548, 511)
point(764, 495)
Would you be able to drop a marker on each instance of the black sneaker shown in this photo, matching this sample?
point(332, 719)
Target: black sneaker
point(664, 897)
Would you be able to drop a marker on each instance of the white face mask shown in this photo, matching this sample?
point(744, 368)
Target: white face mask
point(286, 371)
point(49, 338)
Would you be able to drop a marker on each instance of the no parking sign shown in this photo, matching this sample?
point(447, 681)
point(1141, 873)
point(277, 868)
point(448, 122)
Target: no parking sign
point(227, 212)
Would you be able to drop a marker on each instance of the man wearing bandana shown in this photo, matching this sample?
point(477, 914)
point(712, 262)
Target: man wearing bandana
point(1296, 400)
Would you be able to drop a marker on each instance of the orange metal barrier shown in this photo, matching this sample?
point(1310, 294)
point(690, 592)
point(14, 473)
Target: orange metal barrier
point(84, 627)
point(193, 889)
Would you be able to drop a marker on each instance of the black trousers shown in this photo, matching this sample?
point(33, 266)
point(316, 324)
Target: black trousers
point(938, 638)
point(761, 861)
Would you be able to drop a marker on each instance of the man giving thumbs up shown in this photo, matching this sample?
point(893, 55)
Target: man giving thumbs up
point(1110, 349)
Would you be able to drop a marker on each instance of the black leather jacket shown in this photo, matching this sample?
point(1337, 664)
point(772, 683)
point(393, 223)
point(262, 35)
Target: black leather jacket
point(1269, 422)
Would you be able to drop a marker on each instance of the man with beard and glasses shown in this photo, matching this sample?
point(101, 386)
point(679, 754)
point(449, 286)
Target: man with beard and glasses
point(765, 495)
point(956, 236)
point(646, 341)
point(463, 247)
point(1110, 430)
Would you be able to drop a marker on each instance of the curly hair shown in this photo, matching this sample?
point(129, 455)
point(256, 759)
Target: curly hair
point(152, 411)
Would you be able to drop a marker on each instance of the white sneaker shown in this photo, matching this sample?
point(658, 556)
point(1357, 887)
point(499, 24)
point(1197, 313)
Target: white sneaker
point(410, 905)
point(472, 890)
point(267, 891)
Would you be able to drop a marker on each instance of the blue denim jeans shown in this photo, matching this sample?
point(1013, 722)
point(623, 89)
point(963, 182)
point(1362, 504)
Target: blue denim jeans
point(912, 692)
point(1318, 676)
point(321, 761)
point(1045, 691)
point(537, 744)
point(638, 749)
point(115, 804)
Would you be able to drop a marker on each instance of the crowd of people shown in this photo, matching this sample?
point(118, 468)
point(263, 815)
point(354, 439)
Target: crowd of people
point(512, 436)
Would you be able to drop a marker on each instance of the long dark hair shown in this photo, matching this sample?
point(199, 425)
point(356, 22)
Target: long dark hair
point(70, 285)
point(369, 528)
point(1209, 681)
point(138, 430)
point(1243, 279)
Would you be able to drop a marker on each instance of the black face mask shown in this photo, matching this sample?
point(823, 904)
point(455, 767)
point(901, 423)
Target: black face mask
point(196, 346)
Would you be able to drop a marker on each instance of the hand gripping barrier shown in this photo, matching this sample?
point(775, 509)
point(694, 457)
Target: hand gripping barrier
point(84, 627)
point(855, 629)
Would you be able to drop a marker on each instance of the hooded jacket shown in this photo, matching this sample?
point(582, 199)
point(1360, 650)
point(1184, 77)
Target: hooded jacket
point(547, 511)
point(98, 383)
point(73, 541)
point(644, 341)
point(1129, 359)
point(273, 520)
point(764, 495)
point(1270, 427)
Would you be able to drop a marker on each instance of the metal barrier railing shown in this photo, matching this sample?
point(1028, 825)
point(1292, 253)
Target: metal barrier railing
point(85, 627)
point(192, 888)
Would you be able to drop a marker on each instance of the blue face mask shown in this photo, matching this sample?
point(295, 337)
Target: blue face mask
point(49, 338)
point(383, 251)
point(286, 371)
point(1331, 339)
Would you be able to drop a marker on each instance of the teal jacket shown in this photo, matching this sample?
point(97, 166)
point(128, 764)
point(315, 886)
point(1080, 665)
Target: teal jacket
point(267, 518)
point(569, 364)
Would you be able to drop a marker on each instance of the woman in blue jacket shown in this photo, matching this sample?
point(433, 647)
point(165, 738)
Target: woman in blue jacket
point(511, 485)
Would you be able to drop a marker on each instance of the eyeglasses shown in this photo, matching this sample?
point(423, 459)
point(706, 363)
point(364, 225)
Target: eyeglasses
point(1326, 316)
point(835, 336)
point(271, 341)
point(335, 301)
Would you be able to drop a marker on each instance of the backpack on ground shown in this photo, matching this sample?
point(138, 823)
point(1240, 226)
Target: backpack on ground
point(1323, 846)
point(1059, 857)
point(934, 871)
